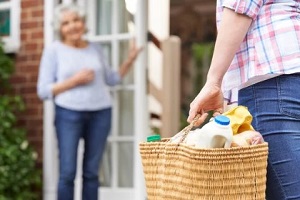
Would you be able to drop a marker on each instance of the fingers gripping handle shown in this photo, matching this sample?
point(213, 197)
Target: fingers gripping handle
point(188, 128)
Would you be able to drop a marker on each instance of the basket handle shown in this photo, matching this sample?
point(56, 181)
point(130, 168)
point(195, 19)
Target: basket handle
point(188, 128)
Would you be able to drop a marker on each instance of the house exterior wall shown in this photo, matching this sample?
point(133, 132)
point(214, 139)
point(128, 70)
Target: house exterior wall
point(26, 71)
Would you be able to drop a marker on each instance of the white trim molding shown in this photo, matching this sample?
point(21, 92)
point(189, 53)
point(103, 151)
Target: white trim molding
point(12, 42)
point(50, 163)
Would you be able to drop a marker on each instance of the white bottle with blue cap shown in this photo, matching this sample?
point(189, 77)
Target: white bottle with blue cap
point(215, 134)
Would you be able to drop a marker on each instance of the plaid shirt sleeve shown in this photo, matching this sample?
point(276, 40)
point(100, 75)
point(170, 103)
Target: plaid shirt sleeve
point(250, 8)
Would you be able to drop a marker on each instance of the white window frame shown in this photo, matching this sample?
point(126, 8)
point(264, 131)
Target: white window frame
point(12, 42)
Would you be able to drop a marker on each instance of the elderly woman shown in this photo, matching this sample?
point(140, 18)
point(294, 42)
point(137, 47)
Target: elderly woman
point(74, 73)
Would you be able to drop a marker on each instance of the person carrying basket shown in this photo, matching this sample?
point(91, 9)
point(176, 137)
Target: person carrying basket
point(257, 54)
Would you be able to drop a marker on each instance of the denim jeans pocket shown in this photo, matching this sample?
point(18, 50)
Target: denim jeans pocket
point(289, 95)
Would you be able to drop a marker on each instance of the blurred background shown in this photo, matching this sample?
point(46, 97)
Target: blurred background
point(178, 38)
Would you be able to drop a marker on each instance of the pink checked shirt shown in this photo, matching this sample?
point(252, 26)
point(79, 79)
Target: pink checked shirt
point(271, 46)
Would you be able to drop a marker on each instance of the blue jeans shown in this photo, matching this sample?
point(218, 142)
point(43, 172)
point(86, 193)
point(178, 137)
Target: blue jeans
point(275, 106)
point(93, 127)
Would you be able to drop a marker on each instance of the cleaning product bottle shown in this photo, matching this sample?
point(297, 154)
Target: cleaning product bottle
point(215, 134)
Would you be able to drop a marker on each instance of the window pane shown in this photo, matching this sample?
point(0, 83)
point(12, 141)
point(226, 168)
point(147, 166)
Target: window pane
point(126, 106)
point(4, 22)
point(104, 16)
point(124, 50)
point(125, 17)
point(125, 165)
point(106, 166)
point(125, 176)
point(106, 47)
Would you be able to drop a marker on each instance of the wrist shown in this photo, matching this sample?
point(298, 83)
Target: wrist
point(72, 82)
point(128, 62)
point(214, 80)
point(132, 57)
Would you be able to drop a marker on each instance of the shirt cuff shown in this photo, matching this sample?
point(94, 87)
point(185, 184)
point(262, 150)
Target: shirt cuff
point(245, 7)
point(118, 78)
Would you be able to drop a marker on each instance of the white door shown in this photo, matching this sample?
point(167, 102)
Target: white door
point(111, 25)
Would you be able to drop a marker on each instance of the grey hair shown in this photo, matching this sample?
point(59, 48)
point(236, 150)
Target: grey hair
point(58, 13)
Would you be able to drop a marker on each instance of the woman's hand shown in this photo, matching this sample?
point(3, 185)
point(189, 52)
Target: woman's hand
point(209, 98)
point(83, 77)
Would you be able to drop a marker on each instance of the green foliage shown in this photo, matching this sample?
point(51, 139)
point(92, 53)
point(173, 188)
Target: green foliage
point(6, 68)
point(202, 53)
point(19, 177)
point(183, 120)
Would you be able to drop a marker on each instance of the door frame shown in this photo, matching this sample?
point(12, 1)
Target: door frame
point(141, 119)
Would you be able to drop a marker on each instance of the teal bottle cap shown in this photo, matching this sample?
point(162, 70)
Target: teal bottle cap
point(153, 138)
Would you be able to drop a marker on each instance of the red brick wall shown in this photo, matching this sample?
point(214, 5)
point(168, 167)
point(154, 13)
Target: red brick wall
point(25, 77)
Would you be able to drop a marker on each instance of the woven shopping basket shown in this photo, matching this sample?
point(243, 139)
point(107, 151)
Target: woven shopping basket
point(178, 171)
